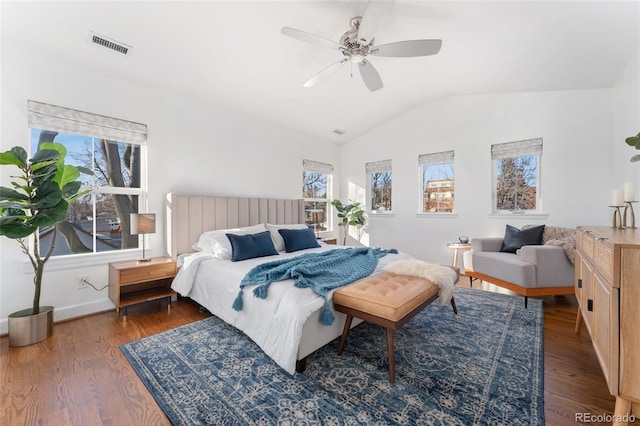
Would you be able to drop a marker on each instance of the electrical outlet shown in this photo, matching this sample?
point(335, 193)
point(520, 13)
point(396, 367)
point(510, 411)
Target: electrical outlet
point(81, 282)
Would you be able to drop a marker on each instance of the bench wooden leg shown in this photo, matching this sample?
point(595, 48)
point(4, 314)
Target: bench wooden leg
point(345, 332)
point(453, 305)
point(392, 367)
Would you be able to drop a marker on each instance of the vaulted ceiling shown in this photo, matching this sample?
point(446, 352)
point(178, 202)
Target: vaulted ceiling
point(233, 52)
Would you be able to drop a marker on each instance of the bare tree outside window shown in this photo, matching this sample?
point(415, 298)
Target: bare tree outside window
point(314, 185)
point(516, 176)
point(118, 164)
point(381, 191)
point(315, 191)
point(98, 221)
point(516, 183)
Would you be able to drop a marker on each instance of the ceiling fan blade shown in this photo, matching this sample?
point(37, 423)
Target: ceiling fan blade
point(370, 76)
point(309, 38)
point(408, 48)
point(324, 74)
point(375, 14)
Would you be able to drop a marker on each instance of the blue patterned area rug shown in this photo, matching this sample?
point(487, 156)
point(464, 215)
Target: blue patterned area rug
point(481, 367)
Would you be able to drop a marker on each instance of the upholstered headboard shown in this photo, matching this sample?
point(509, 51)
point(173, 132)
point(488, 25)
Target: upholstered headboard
point(188, 216)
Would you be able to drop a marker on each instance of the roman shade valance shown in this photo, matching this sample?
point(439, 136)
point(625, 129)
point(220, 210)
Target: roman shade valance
point(517, 149)
point(436, 158)
point(317, 166)
point(66, 120)
point(378, 166)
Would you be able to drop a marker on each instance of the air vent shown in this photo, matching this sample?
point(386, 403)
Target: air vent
point(339, 132)
point(116, 46)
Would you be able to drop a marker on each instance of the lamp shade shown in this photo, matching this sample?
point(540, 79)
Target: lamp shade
point(143, 223)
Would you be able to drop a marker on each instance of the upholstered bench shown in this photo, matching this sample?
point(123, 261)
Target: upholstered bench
point(385, 299)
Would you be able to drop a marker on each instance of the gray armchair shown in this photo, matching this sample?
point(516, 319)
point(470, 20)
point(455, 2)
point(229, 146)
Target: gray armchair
point(535, 270)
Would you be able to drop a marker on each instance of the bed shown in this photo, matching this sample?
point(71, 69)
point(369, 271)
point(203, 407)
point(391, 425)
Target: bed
point(286, 325)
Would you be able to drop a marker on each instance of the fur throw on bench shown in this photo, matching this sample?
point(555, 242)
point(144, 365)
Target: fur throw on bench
point(442, 276)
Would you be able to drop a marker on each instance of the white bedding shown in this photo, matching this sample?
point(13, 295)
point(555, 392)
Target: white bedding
point(275, 323)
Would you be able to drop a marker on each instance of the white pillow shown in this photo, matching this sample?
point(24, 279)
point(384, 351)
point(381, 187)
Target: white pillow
point(217, 243)
point(278, 241)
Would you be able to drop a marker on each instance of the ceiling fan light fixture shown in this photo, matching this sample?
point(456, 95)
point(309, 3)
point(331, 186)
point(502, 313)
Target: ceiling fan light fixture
point(356, 58)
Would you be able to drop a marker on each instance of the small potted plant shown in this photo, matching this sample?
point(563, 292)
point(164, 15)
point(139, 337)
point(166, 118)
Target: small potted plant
point(350, 215)
point(39, 198)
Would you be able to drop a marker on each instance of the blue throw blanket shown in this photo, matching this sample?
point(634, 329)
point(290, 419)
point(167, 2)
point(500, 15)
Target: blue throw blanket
point(322, 272)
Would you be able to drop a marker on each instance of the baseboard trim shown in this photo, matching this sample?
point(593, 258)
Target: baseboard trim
point(67, 313)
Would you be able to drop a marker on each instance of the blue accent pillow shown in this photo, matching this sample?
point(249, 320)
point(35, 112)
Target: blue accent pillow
point(248, 246)
point(298, 239)
point(515, 238)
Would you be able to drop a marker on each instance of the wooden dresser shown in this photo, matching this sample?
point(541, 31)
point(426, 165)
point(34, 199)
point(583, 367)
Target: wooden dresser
point(607, 282)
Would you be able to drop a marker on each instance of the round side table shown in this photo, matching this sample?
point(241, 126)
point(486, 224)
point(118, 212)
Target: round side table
point(457, 247)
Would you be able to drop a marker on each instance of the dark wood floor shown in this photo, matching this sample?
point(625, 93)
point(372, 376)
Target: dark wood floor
point(80, 377)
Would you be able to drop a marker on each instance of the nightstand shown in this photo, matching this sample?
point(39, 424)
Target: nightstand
point(330, 241)
point(132, 282)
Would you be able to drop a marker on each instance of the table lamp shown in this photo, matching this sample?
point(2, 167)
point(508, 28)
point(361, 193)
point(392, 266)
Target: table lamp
point(143, 223)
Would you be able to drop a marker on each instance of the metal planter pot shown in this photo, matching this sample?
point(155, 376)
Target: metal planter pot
point(26, 329)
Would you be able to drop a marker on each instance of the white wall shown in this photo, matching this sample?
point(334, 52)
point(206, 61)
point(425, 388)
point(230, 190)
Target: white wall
point(193, 146)
point(577, 165)
point(627, 123)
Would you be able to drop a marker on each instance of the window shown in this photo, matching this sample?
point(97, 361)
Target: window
point(516, 174)
point(379, 173)
point(437, 193)
point(316, 184)
point(113, 150)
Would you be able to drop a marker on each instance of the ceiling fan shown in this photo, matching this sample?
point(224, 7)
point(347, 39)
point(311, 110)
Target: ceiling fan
point(358, 43)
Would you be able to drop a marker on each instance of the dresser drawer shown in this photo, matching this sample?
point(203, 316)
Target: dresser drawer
point(586, 246)
point(603, 261)
point(579, 234)
point(147, 273)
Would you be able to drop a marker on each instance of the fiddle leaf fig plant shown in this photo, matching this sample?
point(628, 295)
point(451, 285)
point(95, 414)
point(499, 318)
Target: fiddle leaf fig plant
point(39, 197)
point(635, 142)
point(350, 215)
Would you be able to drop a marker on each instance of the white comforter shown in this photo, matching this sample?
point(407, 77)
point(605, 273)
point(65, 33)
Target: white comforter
point(274, 323)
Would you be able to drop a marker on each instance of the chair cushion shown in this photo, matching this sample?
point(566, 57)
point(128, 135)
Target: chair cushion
point(506, 267)
point(386, 295)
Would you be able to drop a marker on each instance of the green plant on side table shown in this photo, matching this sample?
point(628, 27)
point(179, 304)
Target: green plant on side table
point(635, 142)
point(350, 215)
point(39, 198)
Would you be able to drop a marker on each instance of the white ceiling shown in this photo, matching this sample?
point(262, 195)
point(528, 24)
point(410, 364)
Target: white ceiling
point(233, 52)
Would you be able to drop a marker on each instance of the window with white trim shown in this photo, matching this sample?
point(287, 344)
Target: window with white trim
point(114, 150)
point(516, 176)
point(437, 182)
point(316, 190)
point(379, 175)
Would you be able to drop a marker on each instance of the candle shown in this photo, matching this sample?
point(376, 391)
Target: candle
point(629, 191)
point(617, 197)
